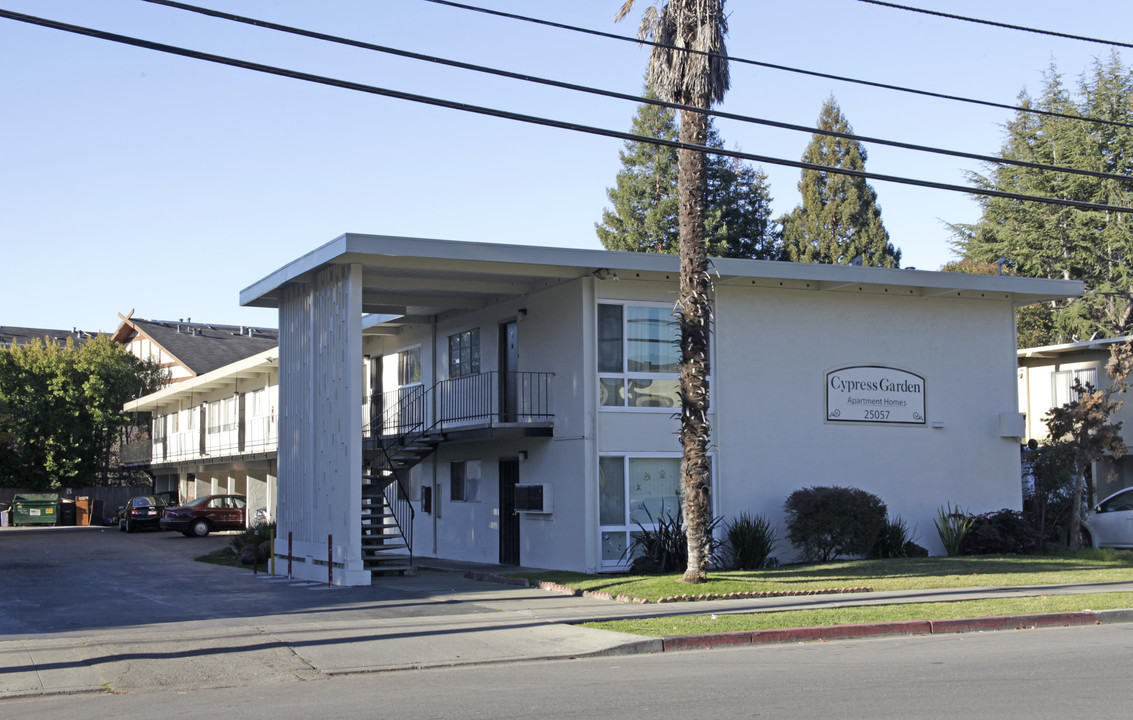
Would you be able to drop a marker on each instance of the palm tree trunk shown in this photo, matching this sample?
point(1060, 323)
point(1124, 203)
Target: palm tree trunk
point(694, 316)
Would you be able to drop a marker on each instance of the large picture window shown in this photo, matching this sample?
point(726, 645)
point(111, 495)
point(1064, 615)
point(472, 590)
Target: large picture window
point(464, 353)
point(634, 491)
point(638, 356)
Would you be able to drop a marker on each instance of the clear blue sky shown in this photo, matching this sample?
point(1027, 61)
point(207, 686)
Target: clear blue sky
point(131, 179)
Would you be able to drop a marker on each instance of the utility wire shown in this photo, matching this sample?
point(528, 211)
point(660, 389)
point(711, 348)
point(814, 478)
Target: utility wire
point(996, 24)
point(623, 96)
point(535, 120)
point(784, 68)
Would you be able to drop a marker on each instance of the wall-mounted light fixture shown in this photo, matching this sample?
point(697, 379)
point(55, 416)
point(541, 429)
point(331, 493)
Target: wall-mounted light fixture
point(522, 455)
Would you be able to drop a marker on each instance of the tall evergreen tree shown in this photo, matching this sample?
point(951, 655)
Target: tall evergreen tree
point(643, 216)
point(1059, 242)
point(839, 221)
point(697, 79)
point(644, 196)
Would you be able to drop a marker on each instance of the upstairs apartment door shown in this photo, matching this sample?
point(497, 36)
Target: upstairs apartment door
point(509, 372)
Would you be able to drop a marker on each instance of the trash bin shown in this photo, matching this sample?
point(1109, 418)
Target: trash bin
point(34, 509)
point(67, 514)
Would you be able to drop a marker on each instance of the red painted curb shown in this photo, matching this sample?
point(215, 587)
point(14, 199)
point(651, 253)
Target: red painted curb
point(1013, 622)
point(906, 627)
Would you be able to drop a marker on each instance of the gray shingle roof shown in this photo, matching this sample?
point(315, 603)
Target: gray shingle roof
point(202, 347)
point(22, 336)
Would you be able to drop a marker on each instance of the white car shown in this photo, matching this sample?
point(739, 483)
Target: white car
point(1111, 521)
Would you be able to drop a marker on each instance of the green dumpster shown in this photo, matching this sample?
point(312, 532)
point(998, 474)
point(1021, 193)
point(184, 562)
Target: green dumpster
point(34, 509)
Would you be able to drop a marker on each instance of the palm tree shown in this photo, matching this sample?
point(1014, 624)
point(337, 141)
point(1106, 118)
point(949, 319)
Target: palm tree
point(687, 66)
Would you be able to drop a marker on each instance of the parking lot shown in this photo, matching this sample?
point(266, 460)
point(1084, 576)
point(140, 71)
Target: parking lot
point(79, 579)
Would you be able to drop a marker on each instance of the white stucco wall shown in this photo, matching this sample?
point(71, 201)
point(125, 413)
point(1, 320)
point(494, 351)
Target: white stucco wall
point(774, 348)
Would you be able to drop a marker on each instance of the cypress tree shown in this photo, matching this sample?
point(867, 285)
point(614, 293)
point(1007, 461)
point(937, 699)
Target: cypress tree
point(839, 220)
point(1050, 241)
point(643, 216)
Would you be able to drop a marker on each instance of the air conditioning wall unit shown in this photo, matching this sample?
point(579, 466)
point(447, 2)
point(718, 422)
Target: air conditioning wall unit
point(534, 498)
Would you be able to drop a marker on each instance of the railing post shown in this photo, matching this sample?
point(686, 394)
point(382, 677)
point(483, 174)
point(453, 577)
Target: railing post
point(330, 560)
point(289, 577)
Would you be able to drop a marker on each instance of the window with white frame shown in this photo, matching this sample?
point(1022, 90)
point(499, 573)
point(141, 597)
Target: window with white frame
point(464, 481)
point(634, 490)
point(212, 414)
point(638, 356)
point(464, 353)
point(230, 410)
point(258, 402)
point(1063, 390)
point(409, 366)
point(159, 428)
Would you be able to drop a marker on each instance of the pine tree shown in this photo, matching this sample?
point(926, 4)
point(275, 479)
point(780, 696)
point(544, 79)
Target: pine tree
point(839, 220)
point(1050, 241)
point(644, 196)
point(643, 217)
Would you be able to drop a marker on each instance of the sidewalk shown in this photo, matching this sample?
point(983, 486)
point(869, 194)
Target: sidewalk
point(483, 622)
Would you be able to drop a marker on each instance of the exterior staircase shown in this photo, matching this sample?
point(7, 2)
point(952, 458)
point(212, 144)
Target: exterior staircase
point(387, 515)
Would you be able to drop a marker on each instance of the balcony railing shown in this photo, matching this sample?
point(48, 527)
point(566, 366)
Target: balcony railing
point(490, 398)
point(259, 435)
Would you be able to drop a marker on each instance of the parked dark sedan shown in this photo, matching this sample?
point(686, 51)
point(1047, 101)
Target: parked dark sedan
point(197, 518)
point(140, 512)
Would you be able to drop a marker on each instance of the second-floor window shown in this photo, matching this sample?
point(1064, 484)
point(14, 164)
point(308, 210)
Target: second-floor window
point(638, 357)
point(1063, 392)
point(464, 353)
point(409, 366)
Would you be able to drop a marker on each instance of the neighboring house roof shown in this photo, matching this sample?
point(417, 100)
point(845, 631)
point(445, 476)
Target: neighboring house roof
point(416, 279)
point(22, 336)
point(1050, 351)
point(199, 347)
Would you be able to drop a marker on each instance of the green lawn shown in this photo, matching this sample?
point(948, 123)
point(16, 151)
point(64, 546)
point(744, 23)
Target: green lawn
point(1089, 566)
point(733, 622)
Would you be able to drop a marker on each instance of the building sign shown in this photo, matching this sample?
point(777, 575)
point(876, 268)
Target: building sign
point(868, 393)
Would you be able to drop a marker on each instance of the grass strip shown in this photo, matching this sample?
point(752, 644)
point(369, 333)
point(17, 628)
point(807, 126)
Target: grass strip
point(1088, 566)
point(734, 622)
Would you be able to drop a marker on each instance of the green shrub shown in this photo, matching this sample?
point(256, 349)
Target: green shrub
point(248, 535)
point(663, 547)
point(1004, 532)
point(952, 525)
point(750, 540)
point(826, 522)
point(896, 541)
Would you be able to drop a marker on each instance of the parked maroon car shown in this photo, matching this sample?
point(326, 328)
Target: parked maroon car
point(197, 518)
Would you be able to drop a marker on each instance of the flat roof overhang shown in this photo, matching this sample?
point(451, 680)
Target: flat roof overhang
point(409, 281)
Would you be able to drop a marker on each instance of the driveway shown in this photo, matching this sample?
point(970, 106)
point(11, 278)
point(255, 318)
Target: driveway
point(81, 579)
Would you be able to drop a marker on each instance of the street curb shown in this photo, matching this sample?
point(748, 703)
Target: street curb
point(907, 627)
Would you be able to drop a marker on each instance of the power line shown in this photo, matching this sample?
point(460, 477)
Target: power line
point(1009, 26)
point(624, 96)
point(784, 68)
point(535, 120)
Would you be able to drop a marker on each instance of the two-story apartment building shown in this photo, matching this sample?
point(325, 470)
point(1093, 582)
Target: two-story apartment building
point(213, 428)
point(516, 404)
point(1046, 376)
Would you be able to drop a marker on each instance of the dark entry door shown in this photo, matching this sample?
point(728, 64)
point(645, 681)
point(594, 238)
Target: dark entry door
point(509, 366)
point(509, 518)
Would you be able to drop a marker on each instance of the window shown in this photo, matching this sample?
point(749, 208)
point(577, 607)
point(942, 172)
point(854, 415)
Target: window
point(464, 353)
point(1063, 390)
point(259, 402)
point(213, 415)
point(159, 428)
point(633, 491)
point(638, 356)
point(409, 366)
point(464, 481)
